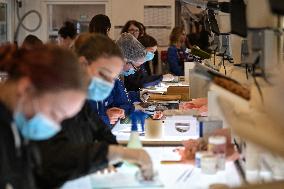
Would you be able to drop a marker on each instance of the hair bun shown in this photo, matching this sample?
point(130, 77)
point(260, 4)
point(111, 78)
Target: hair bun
point(69, 24)
point(68, 30)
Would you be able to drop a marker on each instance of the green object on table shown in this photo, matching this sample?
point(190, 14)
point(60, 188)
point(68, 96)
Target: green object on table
point(200, 53)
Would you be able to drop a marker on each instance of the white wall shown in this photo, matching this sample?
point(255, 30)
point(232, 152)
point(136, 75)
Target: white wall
point(32, 20)
point(119, 11)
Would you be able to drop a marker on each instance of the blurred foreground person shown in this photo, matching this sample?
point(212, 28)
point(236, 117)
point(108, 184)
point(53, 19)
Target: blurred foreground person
point(44, 87)
point(85, 144)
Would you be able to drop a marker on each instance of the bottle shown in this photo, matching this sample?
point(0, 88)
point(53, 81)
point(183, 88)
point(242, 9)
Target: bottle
point(134, 140)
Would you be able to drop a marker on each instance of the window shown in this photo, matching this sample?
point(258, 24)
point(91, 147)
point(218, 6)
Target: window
point(3, 23)
point(80, 14)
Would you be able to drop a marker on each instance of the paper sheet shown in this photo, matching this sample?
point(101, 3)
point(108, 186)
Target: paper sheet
point(124, 178)
point(83, 182)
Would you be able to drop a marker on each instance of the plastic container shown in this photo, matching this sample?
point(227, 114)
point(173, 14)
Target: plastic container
point(198, 156)
point(217, 146)
point(209, 164)
point(134, 140)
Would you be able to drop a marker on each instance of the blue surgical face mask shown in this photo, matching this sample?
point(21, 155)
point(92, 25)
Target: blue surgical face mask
point(128, 72)
point(99, 89)
point(39, 127)
point(149, 56)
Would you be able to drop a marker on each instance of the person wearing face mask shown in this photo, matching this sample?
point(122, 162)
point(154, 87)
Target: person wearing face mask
point(134, 56)
point(119, 104)
point(84, 145)
point(141, 78)
point(154, 60)
point(133, 51)
point(44, 86)
point(116, 105)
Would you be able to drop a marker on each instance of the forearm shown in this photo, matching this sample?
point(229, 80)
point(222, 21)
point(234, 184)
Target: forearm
point(115, 154)
point(118, 153)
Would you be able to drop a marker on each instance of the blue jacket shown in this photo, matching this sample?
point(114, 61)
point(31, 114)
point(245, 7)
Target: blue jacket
point(118, 98)
point(176, 58)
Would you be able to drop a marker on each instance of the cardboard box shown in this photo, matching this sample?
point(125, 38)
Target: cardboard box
point(179, 90)
point(207, 126)
point(181, 126)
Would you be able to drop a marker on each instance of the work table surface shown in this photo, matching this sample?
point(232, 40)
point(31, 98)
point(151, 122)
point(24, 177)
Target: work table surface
point(171, 175)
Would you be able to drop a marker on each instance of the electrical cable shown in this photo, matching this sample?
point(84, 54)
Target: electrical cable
point(21, 20)
point(247, 72)
point(257, 84)
point(223, 60)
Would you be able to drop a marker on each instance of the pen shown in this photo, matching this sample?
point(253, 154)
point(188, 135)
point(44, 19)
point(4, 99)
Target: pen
point(188, 175)
point(170, 162)
point(241, 171)
point(238, 147)
point(180, 177)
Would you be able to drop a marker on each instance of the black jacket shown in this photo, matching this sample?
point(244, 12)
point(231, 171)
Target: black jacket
point(141, 79)
point(17, 162)
point(79, 149)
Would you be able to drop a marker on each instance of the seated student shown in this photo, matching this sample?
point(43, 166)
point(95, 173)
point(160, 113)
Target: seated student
point(84, 145)
point(44, 86)
point(141, 79)
point(133, 53)
point(146, 64)
point(31, 42)
point(100, 23)
point(155, 60)
point(117, 105)
point(142, 29)
point(67, 34)
point(176, 55)
point(132, 27)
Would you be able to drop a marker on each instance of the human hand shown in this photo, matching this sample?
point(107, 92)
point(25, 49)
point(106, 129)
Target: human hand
point(158, 115)
point(109, 169)
point(144, 96)
point(114, 114)
point(143, 161)
point(192, 146)
point(136, 156)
